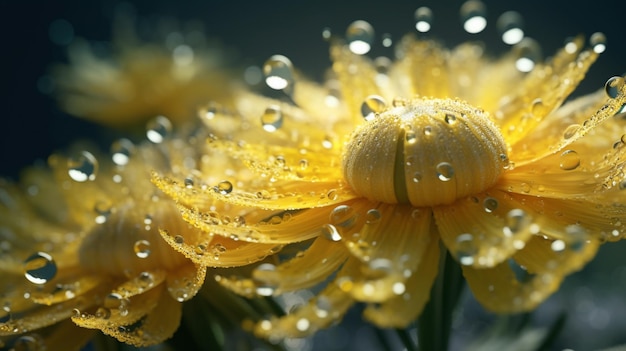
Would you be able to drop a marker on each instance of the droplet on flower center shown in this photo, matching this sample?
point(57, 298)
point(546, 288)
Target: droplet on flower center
point(456, 160)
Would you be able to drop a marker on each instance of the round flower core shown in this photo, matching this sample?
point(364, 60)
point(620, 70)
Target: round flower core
point(425, 152)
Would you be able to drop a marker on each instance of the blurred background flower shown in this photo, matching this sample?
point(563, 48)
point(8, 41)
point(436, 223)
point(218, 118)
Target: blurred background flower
point(37, 34)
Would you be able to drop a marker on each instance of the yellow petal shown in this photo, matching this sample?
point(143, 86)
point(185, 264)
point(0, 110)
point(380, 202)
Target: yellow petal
point(529, 278)
point(402, 310)
point(483, 230)
point(184, 282)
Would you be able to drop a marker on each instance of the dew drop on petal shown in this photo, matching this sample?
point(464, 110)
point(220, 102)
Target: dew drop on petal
point(373, 216)
point(224, 187)
point(330, 232)
point(510, 25)
point(82, 167)
point(272, 118)
point(598, 42)
point(372, 105)
point(158, 129)
point(465, 249)
point(613, 86)
point(569, 160)
point(490, 204)
point(445, 171)
point(39, 268)
point(423, 19)
point(343, 216)
point(450, 118)
point(360, 35)
point(278, 72)
point(103, 313)
point(570, 131)
point(121, 150)
point(473, 16)
point(142, 248)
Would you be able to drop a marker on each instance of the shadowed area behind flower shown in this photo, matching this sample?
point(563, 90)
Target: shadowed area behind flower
point(328, 189)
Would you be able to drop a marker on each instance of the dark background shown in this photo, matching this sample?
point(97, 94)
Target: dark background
point(32, 127)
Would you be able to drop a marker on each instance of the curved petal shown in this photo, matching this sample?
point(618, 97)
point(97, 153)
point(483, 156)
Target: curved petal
point(484, 230)
point(533, 274)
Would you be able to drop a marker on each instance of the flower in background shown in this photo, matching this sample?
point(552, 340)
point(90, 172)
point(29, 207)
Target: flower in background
point(364, 177)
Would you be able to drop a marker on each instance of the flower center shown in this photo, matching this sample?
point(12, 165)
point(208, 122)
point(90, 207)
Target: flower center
point(426, 152)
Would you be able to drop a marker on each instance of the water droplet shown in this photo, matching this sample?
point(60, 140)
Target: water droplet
point(445, 171)
point(465, 249)
point(490, 204)
point(303, 324)
point(158, 129)
point(224, 187)
point(428, 130)
point(473, 16)
point(103, 313)
point(39, 268)
point(410, 137)
point(423, 19)
point(188, 182)
point(82, 167)
point(343, 216)
point(557, 245)
point(116, 301)
point(360, 36)
point(278, 72)
point(538, 108)
point(32, 342)
point(577, 236)
point(598, 42)
point(142, 248)
point(322, 307)
point(103, 211)
point(569, 160)
point(326, 33)
point(272, 118)
point(332, 195)
point(570, 131)
point(371, 106)
point(372, 216)
point(387, 41)
point(417, 177)
point(510, 25)
point(516, 221)
point(450, 118)
point(179, 239)
point(613, 86)
point(330, 232)
point(121, 150)
point(528, 53)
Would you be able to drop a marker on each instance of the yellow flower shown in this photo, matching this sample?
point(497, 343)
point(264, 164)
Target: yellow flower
point(367, 175)
point(81, 246)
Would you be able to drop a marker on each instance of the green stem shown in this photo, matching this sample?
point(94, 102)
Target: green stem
point(436, 319)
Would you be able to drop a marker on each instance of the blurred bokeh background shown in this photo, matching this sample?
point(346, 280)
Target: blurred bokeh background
point(33, 127)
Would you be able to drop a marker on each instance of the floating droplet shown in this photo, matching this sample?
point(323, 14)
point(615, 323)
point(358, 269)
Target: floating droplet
point(303, 324)
point(272, 118)
point(360, 36)
point(371, 106)
point(473, 16)
point(278, 72)
point(510, 25)
point(490, 204)
point(598, 42)
point(121, 150)
point(330, 232)
point(343, 216)
point(528, 53)
point(82, 167)
point(158, 129)
point(445, 171)
point(224, 187)
point(613, 86)
point(569, 160)
point(326, 33)
point(465, 249)
point(423, 19)
point(142, 248)
point(40, 268)
point(387, 41)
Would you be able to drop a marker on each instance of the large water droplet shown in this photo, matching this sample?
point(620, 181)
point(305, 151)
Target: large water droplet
point(158, 129)
point(598, 42)
point(224, 187)
point(510, 25)
point(39, 268)
point(360, 36)
point(142, 248)
point(278, 72)
point(490, 204)
point(465, 249)
point(343, 216)
point(445, 171)
point(121, 150)
point(569, 160)
point(423, 19)
point(272, 118)
point(82, 167)
point(330, 232)
point(473, 16)
point(371, 106)
point(613, 86)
